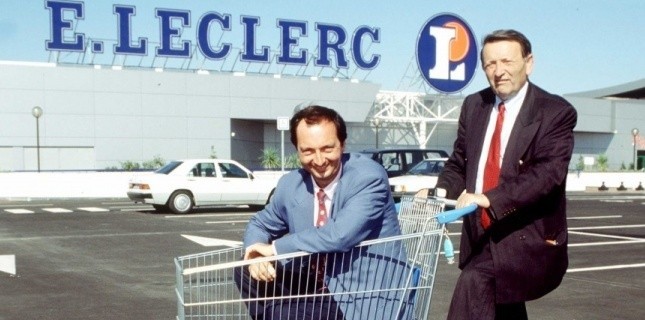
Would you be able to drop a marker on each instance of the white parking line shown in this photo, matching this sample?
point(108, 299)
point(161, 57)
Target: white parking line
point(594, 217)
point(57, 210)
point(599, 235)
point(605, 243)
point(619, 266)
point(219, 215)
point(94, 209)
point(225, 222)
point(19, 211)
point(133, 208)
point(624, 226)
point(27, 205)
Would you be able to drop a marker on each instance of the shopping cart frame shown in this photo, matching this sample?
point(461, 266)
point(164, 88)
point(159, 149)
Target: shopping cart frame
point(205, 290)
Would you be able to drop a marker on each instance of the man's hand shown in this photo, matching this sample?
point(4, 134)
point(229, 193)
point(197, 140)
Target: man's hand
point(466, 199)
point(262, 271)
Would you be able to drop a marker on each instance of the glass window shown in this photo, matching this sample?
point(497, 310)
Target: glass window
point(230, 170)
point(204, 169)
point(169, 167)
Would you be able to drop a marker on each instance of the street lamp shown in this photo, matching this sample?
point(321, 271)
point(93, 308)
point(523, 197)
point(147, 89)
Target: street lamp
point(376, 123)
point(635, 134)
point(37, 112)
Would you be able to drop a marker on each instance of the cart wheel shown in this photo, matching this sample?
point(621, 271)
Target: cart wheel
point(181, 202)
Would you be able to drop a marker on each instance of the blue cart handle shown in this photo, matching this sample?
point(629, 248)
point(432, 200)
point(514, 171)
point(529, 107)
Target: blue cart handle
point(456, 214)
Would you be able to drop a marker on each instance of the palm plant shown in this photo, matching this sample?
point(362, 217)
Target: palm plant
point(270, 158)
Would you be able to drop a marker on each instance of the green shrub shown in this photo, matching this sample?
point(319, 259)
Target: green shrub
point(602, 162)
point(156, 163)
point(270, 159)
point(292, 161)
point(130, 165)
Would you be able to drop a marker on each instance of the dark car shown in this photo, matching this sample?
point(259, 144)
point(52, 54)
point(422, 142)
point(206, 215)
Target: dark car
point(398, 161)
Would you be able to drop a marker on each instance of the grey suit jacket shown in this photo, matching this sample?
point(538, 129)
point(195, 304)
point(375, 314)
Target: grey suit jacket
point(362, 209)
point(529, 204)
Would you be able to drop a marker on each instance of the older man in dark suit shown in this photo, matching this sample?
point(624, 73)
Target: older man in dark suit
point(511, 158)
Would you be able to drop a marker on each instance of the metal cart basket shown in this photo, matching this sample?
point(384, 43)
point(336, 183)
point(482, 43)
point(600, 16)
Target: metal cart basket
point(206, 286)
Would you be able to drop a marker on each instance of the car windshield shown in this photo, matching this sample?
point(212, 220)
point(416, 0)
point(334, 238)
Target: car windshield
point(427, 168)
point(169, 167)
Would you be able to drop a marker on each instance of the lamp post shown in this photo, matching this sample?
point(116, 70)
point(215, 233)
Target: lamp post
point(376, 124)
point(635, 134)
point(37, 112)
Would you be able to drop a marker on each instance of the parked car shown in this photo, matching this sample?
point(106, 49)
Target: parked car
point(398, 161)
point(423, 175)
point(184, 184)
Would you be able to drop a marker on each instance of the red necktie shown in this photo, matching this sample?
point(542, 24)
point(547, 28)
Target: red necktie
point(491, 171)
point(321, 219)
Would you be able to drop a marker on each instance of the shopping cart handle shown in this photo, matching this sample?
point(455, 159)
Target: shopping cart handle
point(452, 215)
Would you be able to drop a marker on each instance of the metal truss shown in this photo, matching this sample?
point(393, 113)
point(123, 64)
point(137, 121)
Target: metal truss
point(421, 112)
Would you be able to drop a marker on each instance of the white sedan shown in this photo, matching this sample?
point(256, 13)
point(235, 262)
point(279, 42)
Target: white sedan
point(184, 184)
point(423, 175)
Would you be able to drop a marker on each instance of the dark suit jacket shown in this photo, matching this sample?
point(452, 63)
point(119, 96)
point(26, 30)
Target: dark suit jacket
point(362, 209)
point(528, 206)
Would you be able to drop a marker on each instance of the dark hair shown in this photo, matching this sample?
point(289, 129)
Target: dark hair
point(314, 114)
point(508, 35)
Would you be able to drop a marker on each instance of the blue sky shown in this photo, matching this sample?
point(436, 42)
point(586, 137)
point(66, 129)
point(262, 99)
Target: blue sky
point(578, 45)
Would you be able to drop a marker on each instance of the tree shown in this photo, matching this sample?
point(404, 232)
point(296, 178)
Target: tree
point(581, 163)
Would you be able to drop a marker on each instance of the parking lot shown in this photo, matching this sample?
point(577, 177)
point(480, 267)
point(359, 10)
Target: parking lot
point(110, 259)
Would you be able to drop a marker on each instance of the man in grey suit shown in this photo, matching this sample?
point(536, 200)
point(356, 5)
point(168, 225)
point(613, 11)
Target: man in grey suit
point(351, 194)
point(511, 158)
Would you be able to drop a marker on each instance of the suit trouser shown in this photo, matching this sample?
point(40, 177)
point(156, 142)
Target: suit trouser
point(474, 295)
point(287, 283)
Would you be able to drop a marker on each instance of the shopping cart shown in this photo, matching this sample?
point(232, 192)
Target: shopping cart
point(402, 267)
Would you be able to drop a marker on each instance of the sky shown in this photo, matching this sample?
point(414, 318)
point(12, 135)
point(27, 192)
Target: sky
point(578, 45)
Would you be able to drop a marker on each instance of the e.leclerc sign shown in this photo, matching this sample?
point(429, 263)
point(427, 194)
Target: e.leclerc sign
point(333, 39)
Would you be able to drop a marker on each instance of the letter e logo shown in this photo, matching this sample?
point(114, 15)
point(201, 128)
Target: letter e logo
point(447, 53)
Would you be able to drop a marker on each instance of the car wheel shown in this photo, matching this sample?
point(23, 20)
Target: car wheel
point(181, 202)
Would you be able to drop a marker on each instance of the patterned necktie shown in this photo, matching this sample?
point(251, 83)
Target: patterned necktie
point(322, 210)
point(491, 171)
point(319, 264)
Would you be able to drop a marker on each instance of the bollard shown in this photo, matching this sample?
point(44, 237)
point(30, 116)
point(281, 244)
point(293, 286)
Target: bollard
point(622, 187)
point(603, 187)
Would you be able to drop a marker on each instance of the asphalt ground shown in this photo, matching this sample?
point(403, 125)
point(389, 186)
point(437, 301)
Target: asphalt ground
point(111, 259)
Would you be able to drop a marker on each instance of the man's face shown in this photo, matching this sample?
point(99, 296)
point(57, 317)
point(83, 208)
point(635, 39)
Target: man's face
point(507, 71)
point(319, 150)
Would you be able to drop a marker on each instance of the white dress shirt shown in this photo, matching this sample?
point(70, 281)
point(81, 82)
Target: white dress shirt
point(512, 106)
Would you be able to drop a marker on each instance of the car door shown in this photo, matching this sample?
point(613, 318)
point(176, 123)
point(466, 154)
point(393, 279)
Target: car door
point(238, 185)
point(392, 163)
point(204, 183)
